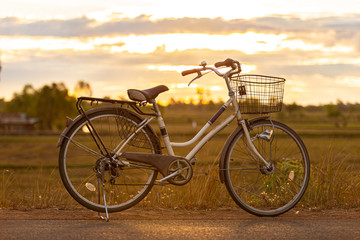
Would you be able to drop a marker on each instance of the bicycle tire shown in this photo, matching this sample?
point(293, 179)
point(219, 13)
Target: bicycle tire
point(77, 163)
point(261, 191)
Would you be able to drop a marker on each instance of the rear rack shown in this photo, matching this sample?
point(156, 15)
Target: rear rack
point(122, 103)
point(90, 127)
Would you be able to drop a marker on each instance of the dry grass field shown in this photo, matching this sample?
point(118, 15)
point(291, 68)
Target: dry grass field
point(29, 175)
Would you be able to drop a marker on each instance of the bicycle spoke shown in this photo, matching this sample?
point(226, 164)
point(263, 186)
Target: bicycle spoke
point(85, 148)
point(247, 191)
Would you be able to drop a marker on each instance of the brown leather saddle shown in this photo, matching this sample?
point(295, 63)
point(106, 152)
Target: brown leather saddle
point(147, 94)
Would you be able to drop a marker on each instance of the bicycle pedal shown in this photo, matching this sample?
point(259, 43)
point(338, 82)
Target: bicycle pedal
point(160, 183)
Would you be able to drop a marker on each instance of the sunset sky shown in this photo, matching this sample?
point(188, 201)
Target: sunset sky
point(115, 45)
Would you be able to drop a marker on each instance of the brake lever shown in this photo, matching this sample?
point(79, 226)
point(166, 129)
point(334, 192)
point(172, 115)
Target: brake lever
point(198, 76)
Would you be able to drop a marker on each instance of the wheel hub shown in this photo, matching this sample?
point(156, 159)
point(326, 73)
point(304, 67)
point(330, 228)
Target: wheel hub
point(267, 170)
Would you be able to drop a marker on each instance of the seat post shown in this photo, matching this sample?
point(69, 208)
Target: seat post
point(163, 128)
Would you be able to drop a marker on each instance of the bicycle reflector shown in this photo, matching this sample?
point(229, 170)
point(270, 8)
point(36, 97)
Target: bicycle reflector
point(68, 121)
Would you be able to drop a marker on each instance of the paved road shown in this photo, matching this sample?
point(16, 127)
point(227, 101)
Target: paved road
point(178, 225)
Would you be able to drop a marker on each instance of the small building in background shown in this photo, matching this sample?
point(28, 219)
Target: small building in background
point(16, 123)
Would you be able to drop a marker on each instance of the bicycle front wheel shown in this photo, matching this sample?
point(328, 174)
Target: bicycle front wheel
point(266, 191)
point(80, 161)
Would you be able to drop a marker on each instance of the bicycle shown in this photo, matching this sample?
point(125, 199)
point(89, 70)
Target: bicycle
point(110, 156)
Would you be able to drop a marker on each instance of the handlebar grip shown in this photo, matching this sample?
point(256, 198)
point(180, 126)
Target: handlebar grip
point(187, 72)
point(227, 63)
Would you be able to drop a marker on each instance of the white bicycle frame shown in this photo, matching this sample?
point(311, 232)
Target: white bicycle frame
point(191, 155)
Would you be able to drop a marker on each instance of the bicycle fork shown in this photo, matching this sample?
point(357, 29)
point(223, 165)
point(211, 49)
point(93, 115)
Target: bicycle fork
point(251, 145)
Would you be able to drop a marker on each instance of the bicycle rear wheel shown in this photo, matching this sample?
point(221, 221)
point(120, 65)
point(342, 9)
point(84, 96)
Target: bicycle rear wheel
point(80, 161)
point(267, 191)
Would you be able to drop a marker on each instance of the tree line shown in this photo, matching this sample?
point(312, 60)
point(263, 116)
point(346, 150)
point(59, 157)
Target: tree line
point(51, 103)
point(339, 113)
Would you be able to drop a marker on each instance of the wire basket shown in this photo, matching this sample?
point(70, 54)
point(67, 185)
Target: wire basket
point(258, 94)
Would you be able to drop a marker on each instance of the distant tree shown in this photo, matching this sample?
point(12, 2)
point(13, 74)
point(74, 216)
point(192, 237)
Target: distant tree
point(2, 104)
point(200, 92)
point(211, 105)
point(191, 101)
point(23, 102)
point(341, 106)
point(221, 101)
point(333, 113)
point(122, 97)
point(82, 88)
point(291, 108)
point(0, 65)
point(345, 110)
point(53, 104)
point(172, 101)
point(50, 105)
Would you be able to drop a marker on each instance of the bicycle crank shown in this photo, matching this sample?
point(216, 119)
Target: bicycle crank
point(180, 172)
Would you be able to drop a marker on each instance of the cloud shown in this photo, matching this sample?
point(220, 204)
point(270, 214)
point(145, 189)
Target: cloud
point(327, 70)
point(113, 74)
point(329, 31)
point(144, 25)
point(314, 75)
point(12, 26)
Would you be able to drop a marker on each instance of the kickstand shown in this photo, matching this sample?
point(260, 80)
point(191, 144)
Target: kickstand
point(106, 218)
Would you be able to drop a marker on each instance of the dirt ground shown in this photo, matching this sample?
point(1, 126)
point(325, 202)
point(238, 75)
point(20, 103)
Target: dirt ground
point(170, 214)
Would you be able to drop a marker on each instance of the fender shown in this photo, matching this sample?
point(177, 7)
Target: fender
point(228, 142)
point(98, 109)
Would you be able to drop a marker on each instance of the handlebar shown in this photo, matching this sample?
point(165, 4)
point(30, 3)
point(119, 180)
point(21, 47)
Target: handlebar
point(227, 63)
point(235, 68)
point(187, 72)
